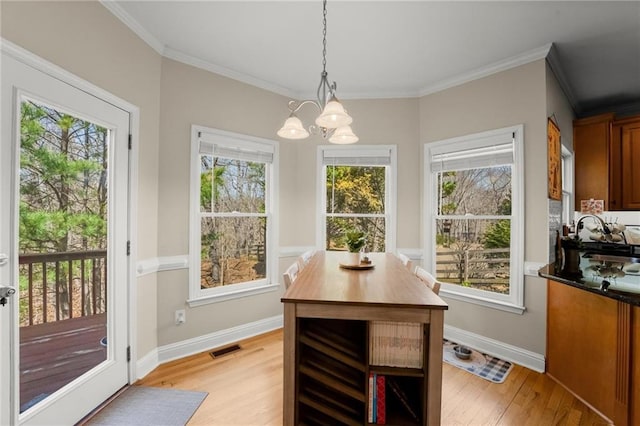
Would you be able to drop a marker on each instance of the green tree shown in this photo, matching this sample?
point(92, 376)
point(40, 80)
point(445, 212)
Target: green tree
point(498, 235)
point(355, 190)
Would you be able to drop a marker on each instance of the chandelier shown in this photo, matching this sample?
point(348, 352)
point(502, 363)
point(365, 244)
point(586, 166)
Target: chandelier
point(333, 121)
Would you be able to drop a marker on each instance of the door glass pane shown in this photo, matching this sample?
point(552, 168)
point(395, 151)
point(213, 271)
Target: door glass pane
point(63, 249)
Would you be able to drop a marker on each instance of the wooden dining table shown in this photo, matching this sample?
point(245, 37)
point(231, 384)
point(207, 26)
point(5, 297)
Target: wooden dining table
point(383, 291)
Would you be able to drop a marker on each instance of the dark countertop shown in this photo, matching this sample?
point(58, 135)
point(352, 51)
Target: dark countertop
point(625, 289)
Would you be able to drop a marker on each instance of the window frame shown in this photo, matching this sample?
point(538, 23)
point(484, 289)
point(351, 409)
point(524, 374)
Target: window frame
point(359, 153)
point(197, 295)
point(567, 185)
point(514, 301)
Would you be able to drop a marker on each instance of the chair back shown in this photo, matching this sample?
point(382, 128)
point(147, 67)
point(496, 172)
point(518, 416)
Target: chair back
point(408, 263)
point(304, 258)
point(428, 279)
point(291, 274)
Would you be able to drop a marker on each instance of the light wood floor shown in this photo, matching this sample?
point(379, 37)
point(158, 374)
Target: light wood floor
point(245, 388)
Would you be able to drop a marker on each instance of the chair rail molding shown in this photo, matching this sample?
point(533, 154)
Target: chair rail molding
point(159, 264)
point(170, 263)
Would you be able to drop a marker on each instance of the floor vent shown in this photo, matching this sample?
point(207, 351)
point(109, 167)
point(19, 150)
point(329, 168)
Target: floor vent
point(224, 351)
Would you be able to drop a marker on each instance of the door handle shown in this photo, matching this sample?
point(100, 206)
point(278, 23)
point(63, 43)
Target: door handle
point(4, 293)
point(3, 259)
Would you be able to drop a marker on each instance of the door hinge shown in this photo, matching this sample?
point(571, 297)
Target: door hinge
point(128, 353)
point(130, 143)
point(128, 248)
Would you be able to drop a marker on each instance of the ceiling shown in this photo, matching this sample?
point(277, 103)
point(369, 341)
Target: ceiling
point(384, 49)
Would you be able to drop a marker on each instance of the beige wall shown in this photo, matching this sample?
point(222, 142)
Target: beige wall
point(189, 96)
point(515, 96)
point(87, 40)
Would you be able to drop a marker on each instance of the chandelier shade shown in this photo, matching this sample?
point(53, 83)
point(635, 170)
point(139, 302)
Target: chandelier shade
point(333, 123)
point(293, 129)
point(343, 135)
point(333, 115)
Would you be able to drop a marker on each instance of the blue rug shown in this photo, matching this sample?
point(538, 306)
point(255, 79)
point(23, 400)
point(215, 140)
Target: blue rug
point(143, 405)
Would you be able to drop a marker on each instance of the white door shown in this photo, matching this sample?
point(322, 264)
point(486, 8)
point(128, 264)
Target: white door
point(63, 248)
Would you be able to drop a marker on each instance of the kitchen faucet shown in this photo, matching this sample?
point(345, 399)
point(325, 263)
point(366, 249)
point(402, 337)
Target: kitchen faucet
point(605, 228)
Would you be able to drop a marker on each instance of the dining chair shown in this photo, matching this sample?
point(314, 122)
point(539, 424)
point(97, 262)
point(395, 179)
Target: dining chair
point(304, 258)
point(408, 263)
point(428, 279)
point(291, 274)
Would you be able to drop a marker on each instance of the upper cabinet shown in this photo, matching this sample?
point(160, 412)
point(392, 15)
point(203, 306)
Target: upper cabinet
point(605, 149)
point(628, 132)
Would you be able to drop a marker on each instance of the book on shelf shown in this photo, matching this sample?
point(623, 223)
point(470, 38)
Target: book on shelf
point(370, 404)
point(402, 397)
point(381, 402)
point(377, 409)
point(396, 344)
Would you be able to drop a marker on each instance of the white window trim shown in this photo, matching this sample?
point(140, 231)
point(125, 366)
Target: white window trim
point(391, 190)
point(514, 302)
point(197, 295)
point(568, 206)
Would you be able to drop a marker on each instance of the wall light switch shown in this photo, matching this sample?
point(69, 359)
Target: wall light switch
point(180, 317)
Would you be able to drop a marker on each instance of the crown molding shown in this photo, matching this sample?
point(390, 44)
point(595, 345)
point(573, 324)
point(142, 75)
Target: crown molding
point(554, 64)
point(134, 25)
point(179, 56)
point(496, 67)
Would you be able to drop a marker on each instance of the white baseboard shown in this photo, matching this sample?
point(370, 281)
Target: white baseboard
point(504, 351)
point(147, 364)
point(199, 344)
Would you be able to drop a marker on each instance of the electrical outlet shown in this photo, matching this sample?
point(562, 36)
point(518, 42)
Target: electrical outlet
point(180, 317)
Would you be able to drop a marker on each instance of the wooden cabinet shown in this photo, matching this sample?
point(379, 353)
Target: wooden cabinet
point(329, 314)
point(333, 372)
point(606, 166)
point(635, 367)
point(628, 131)
point(589, 350)
point(591, 142)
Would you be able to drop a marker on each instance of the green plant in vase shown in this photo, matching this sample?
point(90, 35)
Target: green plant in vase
point(355, 241)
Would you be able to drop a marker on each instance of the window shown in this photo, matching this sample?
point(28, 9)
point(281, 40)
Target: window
point(232, 223)
point(357, 192)
point(567, 186)
point(474, 223)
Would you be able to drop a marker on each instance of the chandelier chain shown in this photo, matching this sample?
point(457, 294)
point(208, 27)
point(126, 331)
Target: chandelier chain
point(324, 36)
point(333, 122)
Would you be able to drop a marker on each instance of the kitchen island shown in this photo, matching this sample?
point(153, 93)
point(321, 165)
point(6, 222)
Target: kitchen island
point(593, 335)
point(329, 313)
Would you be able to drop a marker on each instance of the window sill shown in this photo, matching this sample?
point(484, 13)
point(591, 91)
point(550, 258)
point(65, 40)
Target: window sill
point(484, 301)
point(231, 294)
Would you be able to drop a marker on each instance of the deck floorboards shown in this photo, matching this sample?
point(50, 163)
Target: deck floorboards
point(56, 353)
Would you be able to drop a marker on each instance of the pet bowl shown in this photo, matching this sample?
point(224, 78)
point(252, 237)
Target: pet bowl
point(462, 352)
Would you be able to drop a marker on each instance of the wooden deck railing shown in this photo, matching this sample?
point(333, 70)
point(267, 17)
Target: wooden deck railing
point(58, 286)
point(474, 267)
